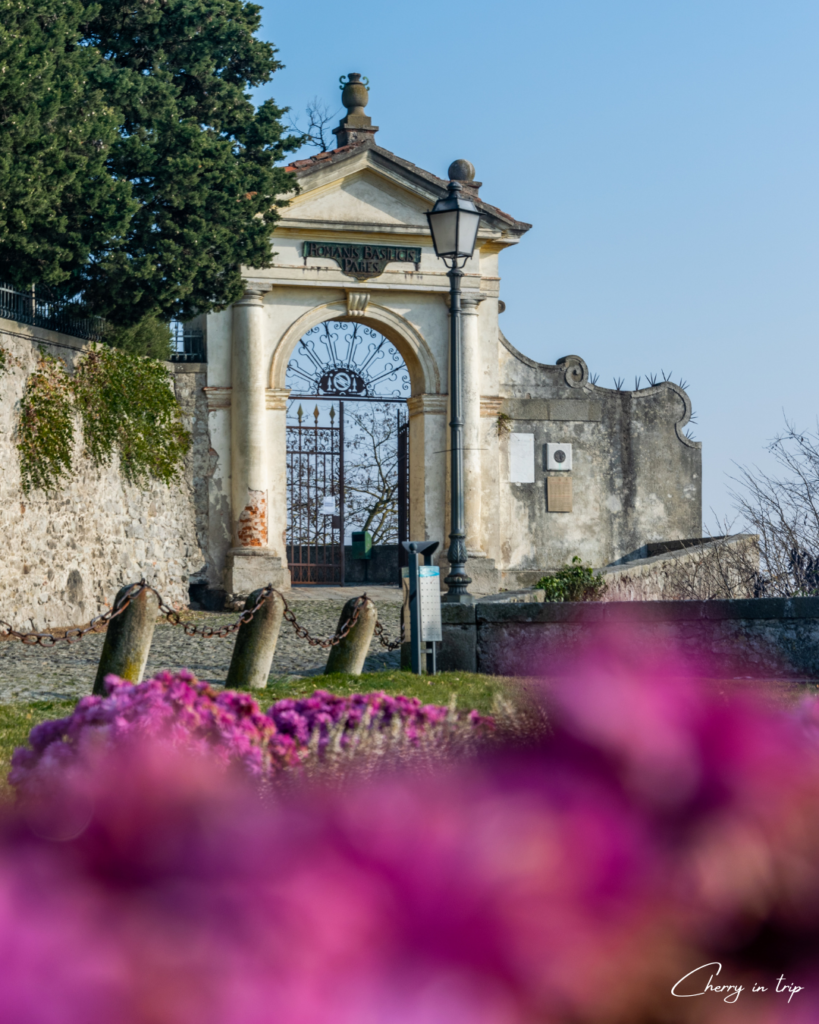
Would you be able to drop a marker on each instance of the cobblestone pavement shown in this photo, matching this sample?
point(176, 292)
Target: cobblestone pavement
point(37, 673)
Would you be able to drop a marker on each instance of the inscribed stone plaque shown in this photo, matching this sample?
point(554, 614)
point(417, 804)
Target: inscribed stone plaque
point(522, 458)
point(363, 261)
point(559, 494)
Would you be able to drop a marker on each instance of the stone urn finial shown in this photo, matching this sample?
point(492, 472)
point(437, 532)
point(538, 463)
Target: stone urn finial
point(355, 128)
point(354, 93)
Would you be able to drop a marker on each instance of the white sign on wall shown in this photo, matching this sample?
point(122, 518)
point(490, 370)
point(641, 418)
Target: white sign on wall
point(522, 458)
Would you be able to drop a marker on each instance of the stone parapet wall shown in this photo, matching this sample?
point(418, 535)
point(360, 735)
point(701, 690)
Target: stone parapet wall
point(755, 638)
point(724, 567)
point(65, 555)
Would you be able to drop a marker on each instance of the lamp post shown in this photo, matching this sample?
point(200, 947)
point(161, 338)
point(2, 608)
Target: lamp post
point(453, 222)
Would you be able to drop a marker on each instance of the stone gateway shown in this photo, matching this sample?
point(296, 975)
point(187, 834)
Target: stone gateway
point(555, 466)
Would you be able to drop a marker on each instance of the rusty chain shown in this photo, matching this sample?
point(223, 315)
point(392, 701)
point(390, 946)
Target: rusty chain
point(71, 636)
point(384, 640)
point(208, 632)
point(303, 634)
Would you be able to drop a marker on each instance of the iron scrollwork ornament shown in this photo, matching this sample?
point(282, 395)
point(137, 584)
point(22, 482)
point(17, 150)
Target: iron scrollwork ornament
point(337, 359)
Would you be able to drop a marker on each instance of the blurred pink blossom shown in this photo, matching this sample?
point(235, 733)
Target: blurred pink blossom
point(577, 878)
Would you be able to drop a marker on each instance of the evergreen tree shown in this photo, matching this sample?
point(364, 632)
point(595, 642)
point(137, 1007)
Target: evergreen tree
point(187, 163)
point(59, 204)
point(150, 337)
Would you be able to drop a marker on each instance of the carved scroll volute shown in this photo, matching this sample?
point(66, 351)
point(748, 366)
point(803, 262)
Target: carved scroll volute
point(576, 372)
point(357, 302)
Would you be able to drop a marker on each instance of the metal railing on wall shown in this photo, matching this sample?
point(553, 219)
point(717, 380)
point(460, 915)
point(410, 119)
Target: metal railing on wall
point(187, 344)
point(39, 307)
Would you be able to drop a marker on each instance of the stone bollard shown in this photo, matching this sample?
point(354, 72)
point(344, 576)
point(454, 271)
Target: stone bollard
point(128, 639)
point(256, 644)
point(349, 655)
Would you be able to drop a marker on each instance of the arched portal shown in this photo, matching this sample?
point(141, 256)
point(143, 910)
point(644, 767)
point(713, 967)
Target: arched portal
point(347, 442)
point(421, 364)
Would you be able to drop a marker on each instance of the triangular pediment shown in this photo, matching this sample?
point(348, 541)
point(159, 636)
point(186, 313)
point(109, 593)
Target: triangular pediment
point(362, 196)
point(369, 186)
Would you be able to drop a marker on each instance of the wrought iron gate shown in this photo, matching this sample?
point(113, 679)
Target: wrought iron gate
point(337, 361)
point(315, 499)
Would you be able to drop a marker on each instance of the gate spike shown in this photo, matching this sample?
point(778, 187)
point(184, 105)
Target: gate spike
point(300, 413)
point(332, 413)
point(316, 414)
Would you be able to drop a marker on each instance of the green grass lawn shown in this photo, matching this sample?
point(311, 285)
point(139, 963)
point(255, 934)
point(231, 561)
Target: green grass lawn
point(470, 689)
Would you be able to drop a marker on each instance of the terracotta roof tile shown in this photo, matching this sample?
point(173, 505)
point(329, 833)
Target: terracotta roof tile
point(311, 161)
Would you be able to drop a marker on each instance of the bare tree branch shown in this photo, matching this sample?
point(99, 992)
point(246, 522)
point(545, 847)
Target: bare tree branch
point(317, 133)
point(371, 473)
point(784, 511)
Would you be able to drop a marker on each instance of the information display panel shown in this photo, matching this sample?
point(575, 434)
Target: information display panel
point(429, 594)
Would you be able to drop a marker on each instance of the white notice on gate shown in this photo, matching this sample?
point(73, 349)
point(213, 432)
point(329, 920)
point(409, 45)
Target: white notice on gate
point(328, 507)
point(522, 458)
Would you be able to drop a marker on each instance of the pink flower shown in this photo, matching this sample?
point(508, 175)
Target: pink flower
point(659, 827)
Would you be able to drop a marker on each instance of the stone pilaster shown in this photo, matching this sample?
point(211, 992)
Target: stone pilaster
point(471, 354)
point(428, 466)
point(250, 562)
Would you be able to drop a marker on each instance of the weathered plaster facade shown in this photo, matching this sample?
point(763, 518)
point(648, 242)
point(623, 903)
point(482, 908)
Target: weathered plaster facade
point(635, 478)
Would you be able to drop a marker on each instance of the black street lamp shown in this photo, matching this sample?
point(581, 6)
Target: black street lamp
point(454, 223)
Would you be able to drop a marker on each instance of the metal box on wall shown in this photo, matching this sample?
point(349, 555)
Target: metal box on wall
point(558, 456)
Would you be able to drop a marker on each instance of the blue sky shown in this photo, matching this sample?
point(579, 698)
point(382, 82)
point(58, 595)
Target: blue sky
point(666, 154)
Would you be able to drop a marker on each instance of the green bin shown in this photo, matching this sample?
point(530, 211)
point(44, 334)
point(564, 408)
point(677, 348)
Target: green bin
point(362, 544)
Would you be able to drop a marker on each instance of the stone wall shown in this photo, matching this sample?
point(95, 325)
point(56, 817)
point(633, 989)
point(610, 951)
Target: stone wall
point(774, 638)
point(684, 570)
point(381, 568)
point(65, 555)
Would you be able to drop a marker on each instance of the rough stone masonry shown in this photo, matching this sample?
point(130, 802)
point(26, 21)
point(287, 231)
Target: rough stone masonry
point(65, 555)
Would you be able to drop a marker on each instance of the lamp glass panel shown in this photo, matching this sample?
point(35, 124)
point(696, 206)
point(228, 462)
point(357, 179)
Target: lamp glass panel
point(468, 232)
point(444, 228)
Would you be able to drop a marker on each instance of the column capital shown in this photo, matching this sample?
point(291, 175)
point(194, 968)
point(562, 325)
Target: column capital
point(254, 291)
point(470, 302)
point(276, 399)
point(427, 404)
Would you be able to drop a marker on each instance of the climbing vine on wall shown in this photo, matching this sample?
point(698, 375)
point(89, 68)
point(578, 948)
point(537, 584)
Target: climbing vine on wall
point(7, 360)
point(45, 435)
point(126, 406)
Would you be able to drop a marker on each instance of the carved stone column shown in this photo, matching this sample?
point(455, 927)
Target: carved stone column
point(428, 467)
point(250, 563)
point(276, 436)
point(472, 423)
